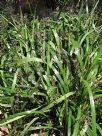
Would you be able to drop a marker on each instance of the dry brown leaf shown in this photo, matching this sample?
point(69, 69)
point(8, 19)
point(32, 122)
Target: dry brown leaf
point(3, 131)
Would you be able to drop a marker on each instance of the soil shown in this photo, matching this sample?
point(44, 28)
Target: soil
point(43, 8)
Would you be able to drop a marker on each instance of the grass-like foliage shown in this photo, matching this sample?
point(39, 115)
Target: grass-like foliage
point(51, 76)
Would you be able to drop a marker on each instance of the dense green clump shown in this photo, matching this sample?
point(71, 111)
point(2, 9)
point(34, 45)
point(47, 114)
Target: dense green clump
point(51, 75)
